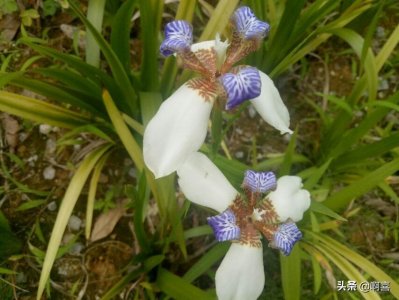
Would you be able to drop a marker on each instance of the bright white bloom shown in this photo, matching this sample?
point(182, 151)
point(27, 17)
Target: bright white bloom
point(242, 219)
point(169, 137)
point(180, 125)
point(203, 183)
point(289, 200)
point(240, 275)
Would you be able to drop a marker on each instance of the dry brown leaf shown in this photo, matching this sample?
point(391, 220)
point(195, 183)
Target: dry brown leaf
point(106, 222)
point(9, 25)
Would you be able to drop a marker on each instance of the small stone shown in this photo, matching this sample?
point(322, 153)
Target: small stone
point(76, 249)
point(32, 160)
point(74, 223)
point(45, 129)
point(383, 84)
point(22, 136)
point(287, 137)
point(132, 173)
point(51, 146)
point(251, 111)
point(380, 32)
point(239, 130)
point(52, 206)
point(49, 173)
point(239, 154)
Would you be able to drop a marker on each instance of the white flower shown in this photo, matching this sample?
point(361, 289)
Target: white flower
point(203, 183)
point(289, 200)
point(177, 130)
point(242, 218)
point(240, 275)
point(180, 125)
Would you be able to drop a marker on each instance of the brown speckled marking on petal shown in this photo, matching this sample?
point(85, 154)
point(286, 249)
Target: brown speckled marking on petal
point(249, 235)
point(207, 57)
point(237, 50)
point(269, 216)
point(191, 61)
point(207, 89)
point(268, 230)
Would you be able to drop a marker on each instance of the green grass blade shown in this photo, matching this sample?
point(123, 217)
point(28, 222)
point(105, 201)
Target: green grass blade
point(370, 64)
point(71, 196)
point(178, 288)
point(206, 261)
point(364, 152)
point(75, 81)
point(54, 92)
point(136, 126)
point(88, 71)
point(314, 178)
point(360, 261)
point(284, 31)
point(40, 111)
point(124, 134)
point(149, 104)
point(347, 268)
point(148, 265)
point(120, 34)
point(232, 169)
point(339, 141)
point(286, 165)
point(324, 210)
point(150, 18)
point(131, 146)
point(95, 13)
point(342, 198)
point(387, 49)
point(219, 19)
point(291, 274)
point(92, 193)
point(129, 94)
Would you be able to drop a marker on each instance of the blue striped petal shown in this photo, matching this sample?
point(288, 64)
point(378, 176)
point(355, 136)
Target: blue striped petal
point(224, 226)
point(178, 37)
point(244, 85)
point(285, 237)
point(260, 182)
point(248, 26)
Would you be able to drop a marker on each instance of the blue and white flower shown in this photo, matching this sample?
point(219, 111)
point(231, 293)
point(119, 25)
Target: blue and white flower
point(243, 218)
point(179, 127)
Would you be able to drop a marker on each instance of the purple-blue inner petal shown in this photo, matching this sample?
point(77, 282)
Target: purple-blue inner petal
point(260, 182)
point(178, 37)
point(244, 85)
point(248, 25)
point(224, 226)
point(286, 236)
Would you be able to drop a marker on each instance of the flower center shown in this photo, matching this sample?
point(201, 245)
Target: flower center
point(250, 214)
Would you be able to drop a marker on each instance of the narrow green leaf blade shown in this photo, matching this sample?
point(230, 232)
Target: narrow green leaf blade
point(178, 288)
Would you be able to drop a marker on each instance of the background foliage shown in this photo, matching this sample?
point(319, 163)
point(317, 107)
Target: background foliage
point(100, 78)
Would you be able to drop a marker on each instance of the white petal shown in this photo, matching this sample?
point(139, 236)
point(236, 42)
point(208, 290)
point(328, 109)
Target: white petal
point(177, 130)
point(271, 107)
point(289, 200)
point(203, 45)
point(240, 275)
point(203, 183)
